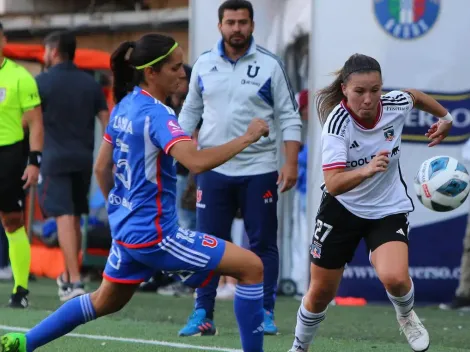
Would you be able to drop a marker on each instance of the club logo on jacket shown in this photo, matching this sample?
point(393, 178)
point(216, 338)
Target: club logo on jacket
point(252, 73)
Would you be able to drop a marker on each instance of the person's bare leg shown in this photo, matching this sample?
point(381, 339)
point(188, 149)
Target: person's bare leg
point(78, 231)
point(312, 311)
point(390, 261)
point(67, 234)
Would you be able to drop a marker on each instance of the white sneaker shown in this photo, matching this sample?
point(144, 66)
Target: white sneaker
point(415, 332)
point(68, 290)
point(71, 291)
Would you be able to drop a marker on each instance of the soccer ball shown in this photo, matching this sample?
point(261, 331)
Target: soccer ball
point(442, 183)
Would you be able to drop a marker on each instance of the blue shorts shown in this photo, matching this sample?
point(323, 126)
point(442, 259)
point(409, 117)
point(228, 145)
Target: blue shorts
point(190, 256)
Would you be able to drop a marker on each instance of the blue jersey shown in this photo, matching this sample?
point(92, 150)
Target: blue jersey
point(142, 205)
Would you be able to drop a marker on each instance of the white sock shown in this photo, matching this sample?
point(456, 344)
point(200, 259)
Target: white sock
point(403, 305)
point(307, 326)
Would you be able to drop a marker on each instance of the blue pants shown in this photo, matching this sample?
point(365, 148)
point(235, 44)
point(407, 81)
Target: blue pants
point(218, 199)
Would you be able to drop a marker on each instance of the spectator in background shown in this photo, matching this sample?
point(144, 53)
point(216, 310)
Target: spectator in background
point(72, 99)
point(234, 82)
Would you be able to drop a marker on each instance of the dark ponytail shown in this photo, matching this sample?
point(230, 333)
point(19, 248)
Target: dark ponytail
point(330, 96)
point(327, 98)
point(130, 55)
point(123, 71)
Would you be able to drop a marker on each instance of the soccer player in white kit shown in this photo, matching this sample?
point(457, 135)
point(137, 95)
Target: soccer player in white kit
point(364, 194)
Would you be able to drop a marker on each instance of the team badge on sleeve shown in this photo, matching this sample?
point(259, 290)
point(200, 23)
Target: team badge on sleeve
point(174, 128)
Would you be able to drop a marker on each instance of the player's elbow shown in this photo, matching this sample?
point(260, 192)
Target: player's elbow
point(333, 187)
point(191, 161)
point(101, 170)
point(196, 166)
point(334, 192)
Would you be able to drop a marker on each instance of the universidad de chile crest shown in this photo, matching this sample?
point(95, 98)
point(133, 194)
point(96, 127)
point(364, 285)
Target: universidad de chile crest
point(407, 19)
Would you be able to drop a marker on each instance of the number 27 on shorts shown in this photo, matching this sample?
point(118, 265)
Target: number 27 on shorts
point(322, 230)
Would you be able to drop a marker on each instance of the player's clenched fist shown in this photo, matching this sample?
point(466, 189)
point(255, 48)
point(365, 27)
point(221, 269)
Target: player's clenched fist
point(257, 128)
point(378, 164)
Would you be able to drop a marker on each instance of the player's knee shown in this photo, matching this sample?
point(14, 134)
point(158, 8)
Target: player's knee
point(253, 272)
point(105, 305)
point(12, 221)
point(394, 281)
point(318, 297)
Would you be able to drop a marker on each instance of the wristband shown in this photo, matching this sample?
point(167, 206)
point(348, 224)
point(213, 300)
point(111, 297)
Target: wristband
point(448, 117)
point(35, 158)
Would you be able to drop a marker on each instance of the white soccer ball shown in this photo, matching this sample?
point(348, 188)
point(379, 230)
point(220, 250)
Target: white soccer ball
point(442, 183)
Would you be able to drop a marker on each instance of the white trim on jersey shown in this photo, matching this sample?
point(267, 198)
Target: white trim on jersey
point(108, 138)
point(150, 154)
point(336, 165)
point(171, 143)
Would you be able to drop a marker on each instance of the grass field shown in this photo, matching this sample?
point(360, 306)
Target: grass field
point(151, 322)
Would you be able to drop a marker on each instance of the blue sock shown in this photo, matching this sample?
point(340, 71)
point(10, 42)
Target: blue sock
point(250, 316)
point(75, 312)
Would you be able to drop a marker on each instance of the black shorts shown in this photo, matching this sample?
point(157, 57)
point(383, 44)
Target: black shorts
point(338, 233)
point(64, 194)
point(13, 163)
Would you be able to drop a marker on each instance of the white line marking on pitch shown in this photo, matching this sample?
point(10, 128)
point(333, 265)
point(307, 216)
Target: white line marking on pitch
point(129, 340)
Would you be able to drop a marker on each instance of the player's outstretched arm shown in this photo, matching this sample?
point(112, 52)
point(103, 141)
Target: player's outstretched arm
point(424, 102)
point(104, 168)
point(438, 131)
point(198, 161)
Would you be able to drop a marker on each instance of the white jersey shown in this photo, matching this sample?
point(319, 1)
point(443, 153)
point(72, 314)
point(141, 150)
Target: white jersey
point(348, 144)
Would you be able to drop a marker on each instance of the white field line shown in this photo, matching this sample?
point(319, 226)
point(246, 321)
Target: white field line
point(129, 340)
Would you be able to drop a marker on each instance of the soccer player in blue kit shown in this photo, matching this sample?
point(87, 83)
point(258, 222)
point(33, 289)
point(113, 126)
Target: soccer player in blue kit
point(142, 140)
